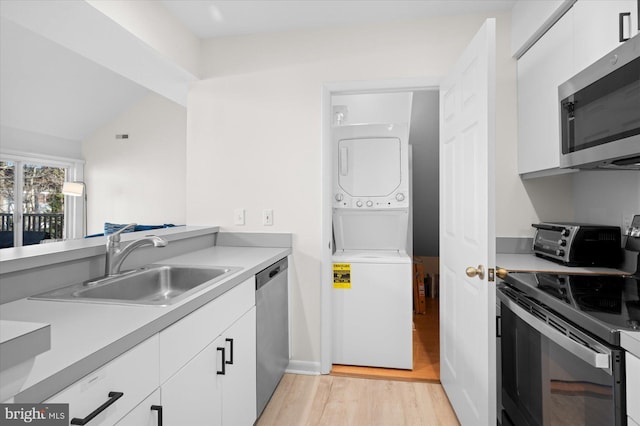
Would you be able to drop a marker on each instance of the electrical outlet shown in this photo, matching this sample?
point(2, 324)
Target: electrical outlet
point(238, 217)
point(267, 217)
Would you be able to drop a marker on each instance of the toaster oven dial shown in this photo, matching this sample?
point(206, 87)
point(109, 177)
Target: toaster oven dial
point(559, 252)
point(562, 242)
point(565, 232)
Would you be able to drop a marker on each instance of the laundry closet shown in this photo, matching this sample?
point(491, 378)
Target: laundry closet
point(384, 208)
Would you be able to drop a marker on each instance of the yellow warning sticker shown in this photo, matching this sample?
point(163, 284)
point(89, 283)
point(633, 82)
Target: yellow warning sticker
point(341, 275)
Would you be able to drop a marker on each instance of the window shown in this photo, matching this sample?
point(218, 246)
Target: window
point(31, 201)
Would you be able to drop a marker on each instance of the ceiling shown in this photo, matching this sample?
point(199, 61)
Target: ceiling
point(209, 18)
point(48, 89)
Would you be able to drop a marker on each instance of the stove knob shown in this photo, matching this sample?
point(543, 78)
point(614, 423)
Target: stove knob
point(559, 252)
point(359, 203)
point(369, 203)
point(562, 242)
point(565, 232)
point(339, 197)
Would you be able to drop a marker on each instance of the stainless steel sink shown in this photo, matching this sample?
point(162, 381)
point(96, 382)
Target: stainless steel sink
point(149, 285)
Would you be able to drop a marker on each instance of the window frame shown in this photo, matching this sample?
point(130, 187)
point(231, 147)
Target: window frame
point(73, 206)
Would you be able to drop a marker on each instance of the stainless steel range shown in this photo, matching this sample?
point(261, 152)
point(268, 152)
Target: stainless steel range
point(561, 361)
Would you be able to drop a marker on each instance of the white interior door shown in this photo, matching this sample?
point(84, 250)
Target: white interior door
point(467, 233)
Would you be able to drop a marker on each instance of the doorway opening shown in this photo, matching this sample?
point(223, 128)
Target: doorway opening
point(424, 236)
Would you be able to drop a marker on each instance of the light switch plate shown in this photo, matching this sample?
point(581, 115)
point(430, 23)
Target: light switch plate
point(267, 217)
point(238, 217)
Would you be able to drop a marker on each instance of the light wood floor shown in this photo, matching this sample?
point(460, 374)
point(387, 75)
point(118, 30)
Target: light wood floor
point(426, 352)
point(369, 396)
point(336, 401)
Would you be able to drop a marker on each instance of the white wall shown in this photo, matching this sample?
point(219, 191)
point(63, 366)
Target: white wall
point(254, 131)
point(140, 179)
point(606, 197)
point(373, 108)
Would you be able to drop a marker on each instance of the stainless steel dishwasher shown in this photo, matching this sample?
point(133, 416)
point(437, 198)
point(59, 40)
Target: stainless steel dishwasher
point(272, 327)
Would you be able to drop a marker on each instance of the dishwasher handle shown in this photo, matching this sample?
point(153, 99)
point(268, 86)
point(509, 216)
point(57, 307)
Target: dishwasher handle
point(274, 272)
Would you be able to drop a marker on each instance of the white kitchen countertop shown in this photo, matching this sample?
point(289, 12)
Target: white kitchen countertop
point(532, 263)
point(21, 340)
point(84, 336)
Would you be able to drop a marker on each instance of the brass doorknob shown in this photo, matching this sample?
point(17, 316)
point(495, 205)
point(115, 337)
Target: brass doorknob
point(502, 273)
point(475, 272)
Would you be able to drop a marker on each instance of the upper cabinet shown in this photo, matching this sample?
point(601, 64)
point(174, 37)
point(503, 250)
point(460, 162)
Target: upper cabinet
point(531, 19)
point(598, 28)
point(546, 65)
point(571, 36)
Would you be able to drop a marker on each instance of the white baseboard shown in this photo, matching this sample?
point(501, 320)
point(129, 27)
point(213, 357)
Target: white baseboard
point(309, 368)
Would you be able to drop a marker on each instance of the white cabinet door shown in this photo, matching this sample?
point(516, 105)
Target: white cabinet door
point(540, 71)
point(147, 413)
point(596, 28)
point(218, 386)
point(239, 382)
point(184, 339)
point(193, 396)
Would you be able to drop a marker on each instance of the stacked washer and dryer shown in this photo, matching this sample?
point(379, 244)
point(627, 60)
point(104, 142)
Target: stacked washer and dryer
point(372, 290)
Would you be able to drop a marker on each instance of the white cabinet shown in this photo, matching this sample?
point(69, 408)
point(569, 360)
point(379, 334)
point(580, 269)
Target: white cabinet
point(217, 386)
point(530, 19)
point(546, 65)
point(182, 340)
point(239, 383)
point(208, 362)
point(596, 28)
point(193, 395)
point(633, 388)
point(584, 34)
point(124, 382)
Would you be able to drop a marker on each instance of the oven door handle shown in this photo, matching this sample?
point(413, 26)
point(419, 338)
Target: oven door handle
point(594, 358)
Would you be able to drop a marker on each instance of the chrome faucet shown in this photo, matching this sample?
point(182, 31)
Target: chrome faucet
point(116, 254)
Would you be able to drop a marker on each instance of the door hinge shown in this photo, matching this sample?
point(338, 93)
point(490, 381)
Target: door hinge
point(491, 276)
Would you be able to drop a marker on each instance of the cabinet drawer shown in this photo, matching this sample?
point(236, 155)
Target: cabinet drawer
point(633, 386)
point(183, 340)
point(143, 415)
point(134, 374)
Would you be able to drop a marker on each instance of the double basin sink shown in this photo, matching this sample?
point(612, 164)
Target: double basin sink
point(158, 285)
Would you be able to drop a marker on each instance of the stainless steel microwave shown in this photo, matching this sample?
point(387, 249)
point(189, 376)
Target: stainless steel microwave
point(600, 112)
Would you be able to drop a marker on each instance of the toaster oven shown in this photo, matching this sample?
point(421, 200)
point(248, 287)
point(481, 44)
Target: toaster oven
point(576, 244)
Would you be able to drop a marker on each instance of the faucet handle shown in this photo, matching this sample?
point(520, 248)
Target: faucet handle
point(115, 237)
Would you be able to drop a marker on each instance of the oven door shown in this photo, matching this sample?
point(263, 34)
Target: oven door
point(553, 373)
